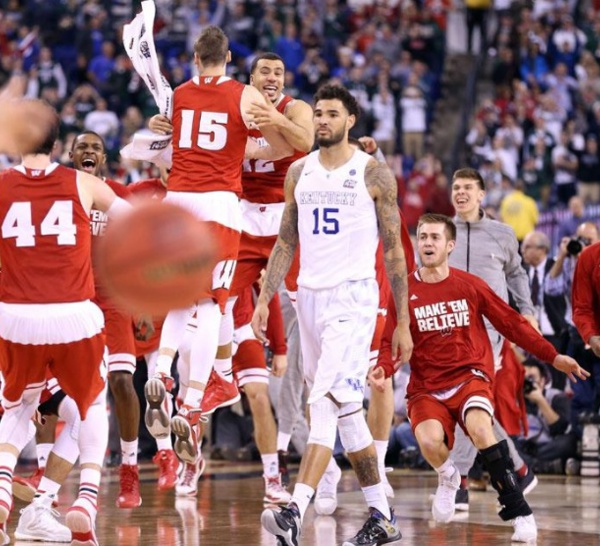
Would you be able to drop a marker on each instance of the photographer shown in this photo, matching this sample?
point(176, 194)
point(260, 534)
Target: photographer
point(560, 281)
point(550, 441)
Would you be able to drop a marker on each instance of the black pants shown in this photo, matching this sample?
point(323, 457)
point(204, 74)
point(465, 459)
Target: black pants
point(476, 17)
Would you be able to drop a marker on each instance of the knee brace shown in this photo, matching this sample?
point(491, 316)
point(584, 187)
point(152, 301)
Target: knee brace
point(354, 432)
point(497, 460)
point(323, 422)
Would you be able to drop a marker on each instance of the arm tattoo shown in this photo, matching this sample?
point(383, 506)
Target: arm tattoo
point(381, 184)
point(287, 241)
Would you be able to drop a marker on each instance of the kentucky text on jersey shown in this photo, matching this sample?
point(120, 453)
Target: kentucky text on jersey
point(442, 315)
point(327, 198)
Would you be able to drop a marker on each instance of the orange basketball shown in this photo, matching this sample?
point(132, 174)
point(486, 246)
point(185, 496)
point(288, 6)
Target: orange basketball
point(156, 257)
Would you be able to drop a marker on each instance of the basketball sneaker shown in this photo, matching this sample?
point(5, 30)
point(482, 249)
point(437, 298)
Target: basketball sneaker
point(444, 501)
point(283, 523)
point(462, 500)
point(525, 529)
point(157, 416)
point(83, 532)
point(187, 483)
point(184, 426)
point(275, 493)
point(25, 487)
point(39, 521)
point(326, 494)
point(528, 482)
point(376, 530)
point(387, 486)
point(129, 493)
point(168, 465)
point(219, 393)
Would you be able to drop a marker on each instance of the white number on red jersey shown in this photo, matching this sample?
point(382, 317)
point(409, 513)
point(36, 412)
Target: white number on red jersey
point(212, 130)
point(58, 221)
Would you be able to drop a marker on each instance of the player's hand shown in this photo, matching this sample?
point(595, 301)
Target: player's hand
point(369, 144)
point(534, 323)
point(594, 344)
point(264, 114)
point(160, 124)
point(260, 319)
point(144, 328)
point(376, 377)
point(279, 365)
point(569, 366)
point(402, 343)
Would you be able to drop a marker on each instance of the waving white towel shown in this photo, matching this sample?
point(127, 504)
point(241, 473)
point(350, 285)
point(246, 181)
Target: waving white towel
point(139, 46)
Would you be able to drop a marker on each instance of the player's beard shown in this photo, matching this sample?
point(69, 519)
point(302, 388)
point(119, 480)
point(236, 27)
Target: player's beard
point(335, 138)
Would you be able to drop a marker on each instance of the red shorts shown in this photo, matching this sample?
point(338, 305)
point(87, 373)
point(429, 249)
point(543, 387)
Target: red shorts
point(120, 341)
point(249, 363)
point(78, 366)
point(508, 393)
point(142, 348)
point(423, 407)
point(252, 259)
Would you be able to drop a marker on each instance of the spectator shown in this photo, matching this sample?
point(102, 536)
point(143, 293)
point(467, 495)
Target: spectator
point(102, 65)
point(577, 216)
point(477, 13)
point(384, 115)
point(536, 172)
point(84, 99)
point(102, 121)
point(588, 171)
point(550, 441)
point(565, 165)
point(47, 73)
point(519, 211)
point(289, 48)
point(560, 281)
point(414, 119)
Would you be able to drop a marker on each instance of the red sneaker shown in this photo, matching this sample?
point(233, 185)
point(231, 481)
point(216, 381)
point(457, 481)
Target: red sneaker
point(168, 465)
point(184, 426)
point(24, 488)
point(219, 393)
point(129, 494)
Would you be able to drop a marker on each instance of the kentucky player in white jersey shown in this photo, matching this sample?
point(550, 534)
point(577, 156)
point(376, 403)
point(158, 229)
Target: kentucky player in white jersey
point(338, 202)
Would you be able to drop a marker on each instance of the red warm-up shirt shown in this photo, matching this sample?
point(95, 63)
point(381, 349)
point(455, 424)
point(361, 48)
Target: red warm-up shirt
point(449, 335)
point(586, 293)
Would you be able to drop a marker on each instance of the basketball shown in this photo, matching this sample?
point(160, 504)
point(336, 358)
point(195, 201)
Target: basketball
point(156, 257)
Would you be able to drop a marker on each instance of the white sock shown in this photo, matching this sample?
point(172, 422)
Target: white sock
point(375, 498)
point(47, 487)
point(129, 452)
point(301, 497)
point(43, 451)
point(447, 469)
point(224, 367)
point(283, 441)
point(7, 467)
point(270, 463)
point(193, 397)
point(381, 447)
point(163, 364)
point(89, 483)
point(164, 443)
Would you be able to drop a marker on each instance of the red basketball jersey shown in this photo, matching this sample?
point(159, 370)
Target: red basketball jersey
point(45, 244)
point(98, 220)
point(262, 180)
point(209, 136)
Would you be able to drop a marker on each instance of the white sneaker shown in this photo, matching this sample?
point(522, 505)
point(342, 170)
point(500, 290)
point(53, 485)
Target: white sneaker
point(275, 493)
point(326, 497)
point(39, 521)
point(525, 529)
point(444, 501)
point(187, 483)
point(387, 486)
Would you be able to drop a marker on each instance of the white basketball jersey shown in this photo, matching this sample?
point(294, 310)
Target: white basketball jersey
point(337, 223)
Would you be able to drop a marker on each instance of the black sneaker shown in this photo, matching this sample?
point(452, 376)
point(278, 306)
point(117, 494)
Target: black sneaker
point(462, 500)
point(528, 482)
point(283, 467)
point(284, 524)
point(376, 530)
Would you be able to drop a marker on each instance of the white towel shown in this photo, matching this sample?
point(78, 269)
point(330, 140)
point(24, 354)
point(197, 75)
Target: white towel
point(139, 45)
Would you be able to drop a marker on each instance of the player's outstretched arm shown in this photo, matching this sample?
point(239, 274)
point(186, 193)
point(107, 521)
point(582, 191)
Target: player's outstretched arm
point(382, 187)
point(160, 124)
point(282, 254)
point(94, 193)
point(569, 366)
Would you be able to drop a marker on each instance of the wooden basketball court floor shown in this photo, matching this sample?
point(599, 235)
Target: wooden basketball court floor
point(227, 512)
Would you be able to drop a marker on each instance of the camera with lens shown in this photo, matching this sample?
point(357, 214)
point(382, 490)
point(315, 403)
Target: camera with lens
point(576, 245)
point(528, 384)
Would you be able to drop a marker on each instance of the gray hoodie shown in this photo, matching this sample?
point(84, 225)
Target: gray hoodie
point(490, 250)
